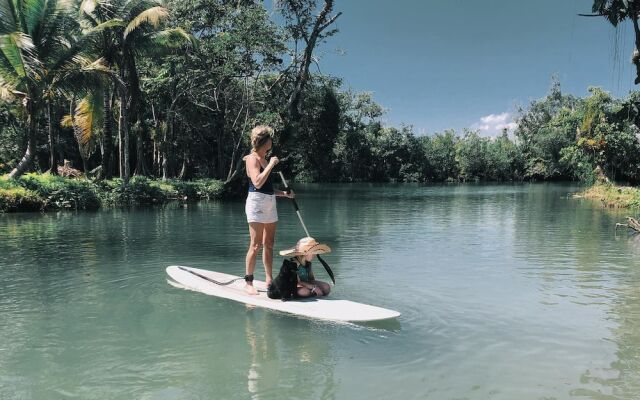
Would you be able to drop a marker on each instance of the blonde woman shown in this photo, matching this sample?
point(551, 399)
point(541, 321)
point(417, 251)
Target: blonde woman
point(262, 214)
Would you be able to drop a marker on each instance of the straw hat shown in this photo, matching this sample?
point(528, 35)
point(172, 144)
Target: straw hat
point(306, 245)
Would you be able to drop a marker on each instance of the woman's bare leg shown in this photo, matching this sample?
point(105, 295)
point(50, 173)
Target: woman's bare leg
point(268, 239)
point(324, 286)
point(255, 234)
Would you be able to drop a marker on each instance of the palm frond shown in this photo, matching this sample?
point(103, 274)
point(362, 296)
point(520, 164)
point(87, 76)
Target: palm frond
point(97, 10)
point(82, 74)
point(57, 21)
point(13, 49)
point(66, 121)
point(153, 16)
point(8, 17)
point(7, 70)
point(33, 12)
point(87, 120)
point(173, 38)
point(88, 6)
point(101, 27)
point(615, 11)
point(6, 90)
point(128, 9)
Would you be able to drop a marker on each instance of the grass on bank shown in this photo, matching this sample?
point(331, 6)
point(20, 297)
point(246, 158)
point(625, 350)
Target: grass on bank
point(613, 196)
point(33, 192)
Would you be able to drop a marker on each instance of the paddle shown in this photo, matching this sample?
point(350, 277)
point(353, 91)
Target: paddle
point(295, 205)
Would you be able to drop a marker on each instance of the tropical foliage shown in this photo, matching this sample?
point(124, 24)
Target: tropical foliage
point(40, 192)
point(170, 89)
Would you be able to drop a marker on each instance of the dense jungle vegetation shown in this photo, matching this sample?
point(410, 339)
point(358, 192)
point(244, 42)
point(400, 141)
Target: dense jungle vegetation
point(168, 90)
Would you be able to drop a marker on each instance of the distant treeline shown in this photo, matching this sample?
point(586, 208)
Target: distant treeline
point(171, 89)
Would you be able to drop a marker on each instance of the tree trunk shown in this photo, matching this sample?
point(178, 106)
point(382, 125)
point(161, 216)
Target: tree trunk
point(27, 159)
point(165, 146)
point(85, 165)
point(53, 162)
point(120, 147)
point(185, 165)
point(123, 134)
point(141, 165)
point(106, 138)
point(219, 160)
point(636, 58)
point(157, 157)
point(322, 22)
point(293, 116)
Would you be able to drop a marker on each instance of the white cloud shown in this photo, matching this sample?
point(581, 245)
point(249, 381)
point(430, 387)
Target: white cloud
point(493, 124)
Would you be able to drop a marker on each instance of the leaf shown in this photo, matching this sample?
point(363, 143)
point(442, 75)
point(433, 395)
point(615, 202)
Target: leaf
point(175, 37)
point(12, 47)
point(67, 121)
point(88, 6)
point(112, 23)
point(153, 16)
point(87, 121)
point(6, 91)
point(8, 17)
point(33, 13)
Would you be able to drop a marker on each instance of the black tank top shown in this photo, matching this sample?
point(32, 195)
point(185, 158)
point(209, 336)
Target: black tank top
point(267, 187)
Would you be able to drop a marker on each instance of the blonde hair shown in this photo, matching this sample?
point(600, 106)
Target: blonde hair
point(260, 135)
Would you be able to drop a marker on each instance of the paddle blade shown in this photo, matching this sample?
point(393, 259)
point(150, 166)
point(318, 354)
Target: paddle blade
point(326, 267)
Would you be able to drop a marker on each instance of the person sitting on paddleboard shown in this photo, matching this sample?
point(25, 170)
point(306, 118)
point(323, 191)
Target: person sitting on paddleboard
point(260, 207)
point(303, 253)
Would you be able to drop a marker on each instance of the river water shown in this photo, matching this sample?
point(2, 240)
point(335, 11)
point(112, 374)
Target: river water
point(506, 292)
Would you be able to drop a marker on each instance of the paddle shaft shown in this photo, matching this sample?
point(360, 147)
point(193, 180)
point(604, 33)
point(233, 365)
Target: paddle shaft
point(295, 203)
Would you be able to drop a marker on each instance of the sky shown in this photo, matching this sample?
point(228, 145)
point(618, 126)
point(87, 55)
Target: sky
point(454, 64)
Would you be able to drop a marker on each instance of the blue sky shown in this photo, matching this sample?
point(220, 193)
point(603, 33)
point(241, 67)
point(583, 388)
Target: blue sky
point(465, 63)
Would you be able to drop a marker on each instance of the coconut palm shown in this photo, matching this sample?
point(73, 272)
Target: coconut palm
point(131, 28)
point(616, 11)
point(41, 60)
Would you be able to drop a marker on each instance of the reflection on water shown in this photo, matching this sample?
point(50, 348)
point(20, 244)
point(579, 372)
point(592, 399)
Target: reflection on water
point(288, 364)
point(506, 292)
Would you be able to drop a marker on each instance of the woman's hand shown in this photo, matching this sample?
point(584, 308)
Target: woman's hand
point(273, 161)
point(289, 194)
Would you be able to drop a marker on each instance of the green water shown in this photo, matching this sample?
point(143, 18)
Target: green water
point(506, 292)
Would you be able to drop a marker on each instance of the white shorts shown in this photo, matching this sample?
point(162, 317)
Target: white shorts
point(261, 208)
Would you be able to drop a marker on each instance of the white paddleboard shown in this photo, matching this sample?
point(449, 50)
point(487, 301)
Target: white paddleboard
point(327, 308)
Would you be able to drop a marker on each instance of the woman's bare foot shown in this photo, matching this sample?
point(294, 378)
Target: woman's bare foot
point(250, 290)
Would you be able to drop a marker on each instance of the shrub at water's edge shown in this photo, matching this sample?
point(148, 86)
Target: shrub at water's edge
point(19, 199)
point(34, 192)
point(613, 196)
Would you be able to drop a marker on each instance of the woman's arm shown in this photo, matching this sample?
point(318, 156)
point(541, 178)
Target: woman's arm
point(253, 170)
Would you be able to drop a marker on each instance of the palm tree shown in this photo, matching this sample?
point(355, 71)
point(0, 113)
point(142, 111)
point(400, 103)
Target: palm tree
point(131, 28)
point(616, 11)
point(40, 60)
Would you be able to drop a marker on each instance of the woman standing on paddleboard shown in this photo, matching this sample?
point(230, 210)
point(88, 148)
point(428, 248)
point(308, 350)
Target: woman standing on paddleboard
point(262, 214)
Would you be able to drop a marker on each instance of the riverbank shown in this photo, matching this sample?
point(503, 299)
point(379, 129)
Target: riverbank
point(42, 192)
point(613, 196)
